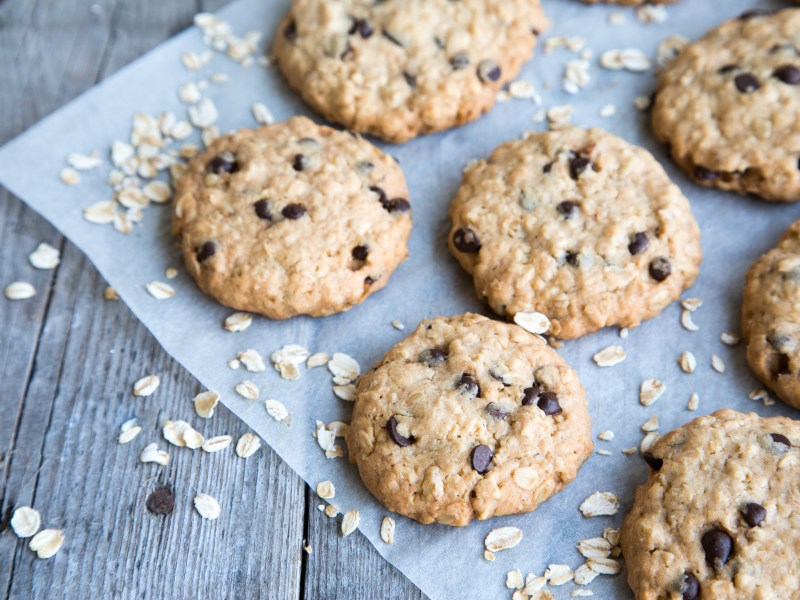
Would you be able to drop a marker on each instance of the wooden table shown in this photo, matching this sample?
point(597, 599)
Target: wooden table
point(67, 362)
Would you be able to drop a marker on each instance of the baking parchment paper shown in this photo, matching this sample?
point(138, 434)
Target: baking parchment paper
point(445, 563)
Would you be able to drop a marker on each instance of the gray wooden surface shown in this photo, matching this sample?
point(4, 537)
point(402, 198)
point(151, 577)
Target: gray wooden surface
point(67, 362)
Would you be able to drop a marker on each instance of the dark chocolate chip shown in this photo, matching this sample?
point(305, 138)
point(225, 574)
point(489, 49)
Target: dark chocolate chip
point(660, 268)
point(498, 377)
point(572, 258)
point(481, 458)
point(530, 394)
point(396, 436)
point(578, 165)
point(779, 438)
point(348, 51)
point(653, 462)
point(360, 252)
point(262, 210)
point(161, 501)
point(293, 211)
point(466, 240)
point(718, 546)
point(368, 281)
point(746, 83)
point(392, 39)
point(459, 61)
point(363, 28)
point(206, 251)
point(468, 385)
point(411, 80)
point(788, 74)
point(548, 167)
point(754, 514)
point(548, 402)
point(639, 243)
point(381, 194)
point(224, 162)
point(299, 162)
point(704, 174)
point(496, 411)
point(432, 357)
point(489, 71)
point(290, 31)
point(727, 69)
point(397, 205)
point(690, 587)
point(568, 208)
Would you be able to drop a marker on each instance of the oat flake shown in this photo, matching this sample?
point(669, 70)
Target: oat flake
point(345, 392)
point(514, 580)
point(248, 445)
point(694, 402)
point(128, 431)
point(251, 360)
point(45, 257)
point(606, 435)
point(146, 386)
point(344, 366)
point(600, 504)
point(650, 391)
point(594, 547)
point(326, 490)
point(247, 389)
point(604, 566)
point(160, 290)
point(26, 521)
point(729, 339)
point(687, 322)
point(502, 538)
point(534, 322)
point(651, 424)
point(648, 441)
point(584, 575)
point(262, 114)
point(151, 453)
point(47, 542)
point(278, 411)
point(717, 363)
point(69, 176)
point(387, 530)
point(20, 290)
point(217, 443)
point(237, 322)
point(205, 403)
point(558, 574)
point(688, 362)
point(207, 506)
point(350, 522)
point(317, 360)
point(608, 357)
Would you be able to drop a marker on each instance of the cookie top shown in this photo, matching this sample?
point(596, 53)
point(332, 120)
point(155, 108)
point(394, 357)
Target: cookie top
point(468, 417)
point(771, 317)
point(399, 69)
point(728, 105)
point(576, 224)
point(293, 218)
point(719, 516)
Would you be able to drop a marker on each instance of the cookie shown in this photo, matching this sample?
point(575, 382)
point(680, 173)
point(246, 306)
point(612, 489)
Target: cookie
point(468, 417)
point(719, 516)
point(728, 106)
point(293, 218)
point(771, 317)
point(400, 69)
point(576, 224)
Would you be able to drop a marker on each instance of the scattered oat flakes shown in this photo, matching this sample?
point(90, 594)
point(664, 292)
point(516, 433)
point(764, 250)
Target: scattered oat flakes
point(238, 321)
point(207, 506)
point(612, 535)
point(694, 402)
point(308, 549)
point(189, 93)
point(160, 290)
point(278, 411)
point(652, 13)
point(576, 76)
point(514, 580)
point(69, 176)
point(763, 396)
point(581, 593)
point(326, 438)
point(534, 322)
point(26, 521)
point(146, 386)
point(128, 431)
point(251, 360)
point(608, 357)
point(606, 435)
point(648, 441)
point(584, 575)
point(651, 424)
point(600, 504)
point(326, 490)
point(151, 453)
point(317, 360)
point(217, 443)
point(287, 359)
point(623, 332)
point(20, 290)
point(387, 530)
point(262, 114)
point(345, 392)
point(717, 363)
point(616, 18)
point(205, 403)
point(609, 110)
point(598, 547)
point(350, 522)
point(502, 538)
point(344, 368)
point(110, 293)
point(100, 213)
point(688, 362)
point(629, 59)
point(248, 445)
point(247, 389)
point(558, 574)
point(157, 191)
point(533, 584)
point(488, 555)
point(45, 257)
point(203, 114)
point(629, 451)
point(234, 364)
point(84, 162)
point(642, 102)
point(398, 325)
point(729, 339)
point(687, 322)
point(559, 117)
point(47, 542)
point(171, 273)
point(604, 566)
point(650, 391)
point(331, 511)
point(604, 452)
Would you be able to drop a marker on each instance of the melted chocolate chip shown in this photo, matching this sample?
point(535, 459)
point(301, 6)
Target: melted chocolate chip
point(300, 162)
point(779, 438)
point(660, 269)
point(347, 52)
point(396, 436)
point(746, 83)
point(690, 587)
point(639, 243)
point(206, 251)
point(718, 546)
point(368, 281)
point(161, 501)
point(293, 211)
point(262, 210)
point(224, 162)
point(362, 27)
point(468, 385)
point(481, 458)
point(548, 403)
point(392, 39)
point(572, 258)
point(530, 394)
point(568, 208)
point(381, 194)
point(497, 411)
point(432, 357)
point(411, 80)
point(290, 31)
point(489, 71)
point(459, 61)
point(466, 240)
point(754, 514)
point(727, 69)
point(703, 174)
point(578, 165)
point(397, 205)
point(498, 377)
point(653, 462)
point(360, 252)
point(788, 74)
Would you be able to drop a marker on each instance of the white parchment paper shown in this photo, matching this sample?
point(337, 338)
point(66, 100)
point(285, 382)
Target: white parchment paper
point(445, 563)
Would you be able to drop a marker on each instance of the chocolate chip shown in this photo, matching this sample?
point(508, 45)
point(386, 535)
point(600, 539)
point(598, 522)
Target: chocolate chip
point(348, 50)
point(468, 385)
point(639, 243)
point(568, 208)
point(727, 69)
point(432, 357)
point(392, 39)
point(548, 402)
point(362, 27)
point(396, 436)
point(530, 394)
point(756, 12)
point(489, 71)
point(779, 438)
point(718, 546)
point(660, 268)
point(290, 31)
point(360, 252)
point(466, 240)
point(481, 458)
point(224, 162)
point(690, 587)
point(381, 194)
point(293, 211)
point(459, 61)
point(572, 258)
point(578, 165)
point(653, 462)
point(704, 174)
point(397, 205)
point(299, 162)
point(496, 411)
point(206, 251)
point(746, 83)
point(788, 74)
point(411, 80)
point(262, 210)
point(754, 514)
point(498, 377)
point(368, 281)
point(161, 501)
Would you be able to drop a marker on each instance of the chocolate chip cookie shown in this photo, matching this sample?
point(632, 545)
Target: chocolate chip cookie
point(771, 317)
point(729, 106)
point(468, 417)
point(400, 69)
point(718, 517)
point(576, 224)
point(293, 218)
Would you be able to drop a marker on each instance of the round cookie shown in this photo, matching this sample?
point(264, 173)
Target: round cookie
point(771, 317)
point(719, 516)
point(468, 417)
point(400, 69)
point(729, 106)
point(293, 218)
point(576, 224)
